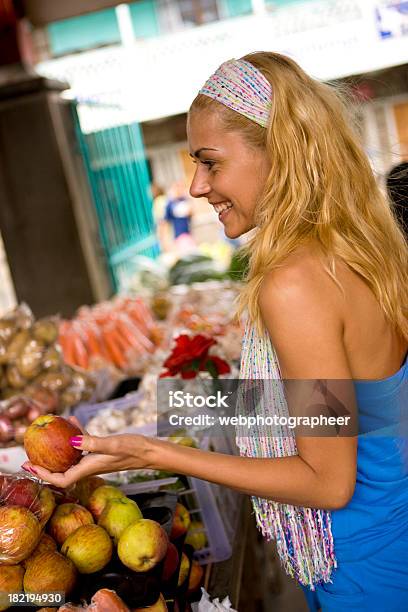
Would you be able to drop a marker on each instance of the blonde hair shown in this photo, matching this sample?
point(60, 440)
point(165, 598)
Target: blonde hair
point(320, 188)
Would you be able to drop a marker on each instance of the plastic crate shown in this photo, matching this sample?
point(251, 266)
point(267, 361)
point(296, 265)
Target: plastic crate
point(217, 507)
point(85, 412)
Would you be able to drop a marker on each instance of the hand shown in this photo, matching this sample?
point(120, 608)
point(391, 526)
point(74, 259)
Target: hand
point(105, 455)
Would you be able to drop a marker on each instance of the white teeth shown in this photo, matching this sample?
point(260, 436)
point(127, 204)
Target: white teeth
point(219, 208)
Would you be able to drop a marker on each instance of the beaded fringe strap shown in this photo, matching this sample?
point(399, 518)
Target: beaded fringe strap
point(303, 535)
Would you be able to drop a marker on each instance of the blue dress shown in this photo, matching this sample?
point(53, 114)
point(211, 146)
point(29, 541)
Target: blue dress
point(371, 532)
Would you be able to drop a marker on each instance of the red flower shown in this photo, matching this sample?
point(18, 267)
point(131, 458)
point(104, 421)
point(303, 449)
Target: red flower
point(190, 355)
point(217, 365)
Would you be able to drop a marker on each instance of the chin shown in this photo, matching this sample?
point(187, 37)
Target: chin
point(235, 232)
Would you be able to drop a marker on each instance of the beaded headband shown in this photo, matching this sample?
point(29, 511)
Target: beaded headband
point(243, 88)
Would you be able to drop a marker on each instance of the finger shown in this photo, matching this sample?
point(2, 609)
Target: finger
point(54, 478)
point(64, 480)
point(92, 444)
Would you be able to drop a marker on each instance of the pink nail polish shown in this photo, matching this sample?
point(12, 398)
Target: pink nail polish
point(76, 441)
point(32, 470)
point(23, 467)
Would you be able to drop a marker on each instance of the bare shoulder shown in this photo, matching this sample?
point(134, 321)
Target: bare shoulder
point(302, 309)
point(301, 283)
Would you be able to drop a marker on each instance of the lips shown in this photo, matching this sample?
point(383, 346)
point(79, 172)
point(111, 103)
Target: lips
point(220, 207)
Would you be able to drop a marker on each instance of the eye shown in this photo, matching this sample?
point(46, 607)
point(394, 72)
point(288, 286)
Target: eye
point(210, 164)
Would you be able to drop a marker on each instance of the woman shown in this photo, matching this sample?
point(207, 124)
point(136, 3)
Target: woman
point(327, 298)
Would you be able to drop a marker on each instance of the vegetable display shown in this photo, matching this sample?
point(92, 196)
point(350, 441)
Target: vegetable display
point(121, 333)
point(34, 378)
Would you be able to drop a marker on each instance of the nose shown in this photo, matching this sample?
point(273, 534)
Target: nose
point(199, 185)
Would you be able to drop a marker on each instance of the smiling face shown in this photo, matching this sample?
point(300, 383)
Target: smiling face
point(229, 173)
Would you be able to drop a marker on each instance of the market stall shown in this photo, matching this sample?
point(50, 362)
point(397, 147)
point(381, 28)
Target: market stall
point(134, 539)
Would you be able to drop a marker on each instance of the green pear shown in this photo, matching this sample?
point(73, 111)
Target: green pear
point(119, 514)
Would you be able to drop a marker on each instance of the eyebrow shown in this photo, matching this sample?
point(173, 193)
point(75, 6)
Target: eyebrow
point(199, 151)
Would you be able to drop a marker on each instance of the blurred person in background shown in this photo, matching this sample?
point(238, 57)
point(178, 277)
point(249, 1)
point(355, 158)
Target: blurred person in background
point(397, 187)
point(178, 211)
point(178, 214)
point(326, 299)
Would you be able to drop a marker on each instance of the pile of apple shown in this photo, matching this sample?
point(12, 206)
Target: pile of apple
point(46, 542)
point(44, 546)
point(180, 530)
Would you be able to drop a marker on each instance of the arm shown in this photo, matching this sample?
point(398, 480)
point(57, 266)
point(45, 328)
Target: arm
point(302, 315)
point(306, 331)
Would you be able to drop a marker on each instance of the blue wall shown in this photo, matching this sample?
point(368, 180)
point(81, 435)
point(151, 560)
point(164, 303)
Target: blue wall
point(83, 32)
point(144, 19)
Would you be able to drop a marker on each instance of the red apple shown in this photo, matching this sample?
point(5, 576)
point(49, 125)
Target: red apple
point(89, 548)
point(159, 606)
point(19, 534)
point(46, 443)
point(106, 600)
point(184, 569)
point(46, 543)
point(100, 497)
point(181, 522)
point(46, 506)
point(23, 492)
point(11, 581)
point(50, 572)
point(85, 487)
point(66, 519)
point(142, 545)
point(196, 576)
point(171, 562)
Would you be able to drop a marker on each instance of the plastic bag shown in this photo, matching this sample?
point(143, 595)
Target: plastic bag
point(104, 600)
point(205, 605)
point(17, 412)
point(25, 507)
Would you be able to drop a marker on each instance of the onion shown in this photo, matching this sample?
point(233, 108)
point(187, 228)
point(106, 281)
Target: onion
point(33, 413)
point(6, 429)
point(19, 432)
point(17, 409)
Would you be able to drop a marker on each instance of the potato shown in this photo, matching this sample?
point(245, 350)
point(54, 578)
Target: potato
point(29, 361)
point(7, 329)
point(16, 345)
point(14, 378)
point(23, 316)
point(52, 359)
point(55, 381)
point(46, 330)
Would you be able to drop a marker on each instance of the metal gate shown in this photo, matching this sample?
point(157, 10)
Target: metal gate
point(114, 157)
